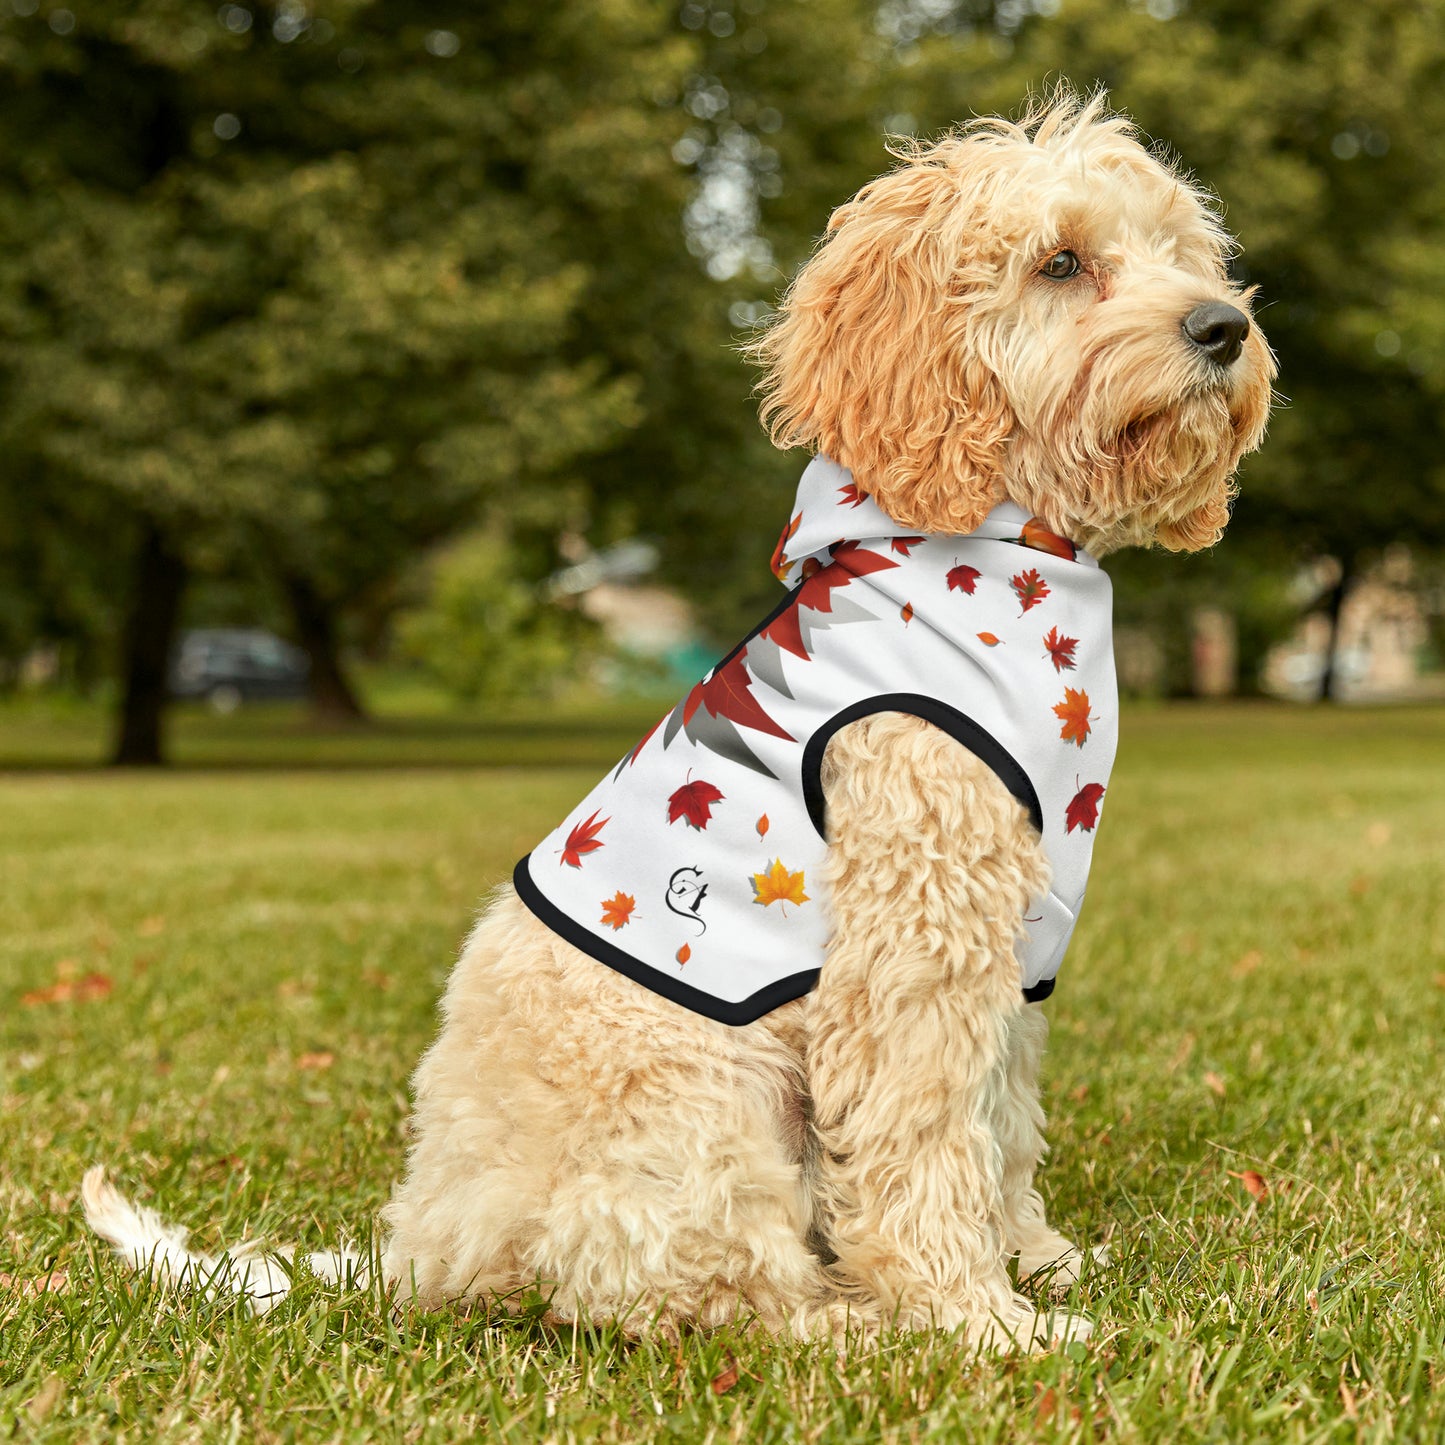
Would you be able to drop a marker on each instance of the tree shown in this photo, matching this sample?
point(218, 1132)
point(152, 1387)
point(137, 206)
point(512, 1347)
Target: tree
point(307, 282)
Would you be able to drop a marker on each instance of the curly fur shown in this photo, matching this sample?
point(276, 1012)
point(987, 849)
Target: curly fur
point(865, 1155)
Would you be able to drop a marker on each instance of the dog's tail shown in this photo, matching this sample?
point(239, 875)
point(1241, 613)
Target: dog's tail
point(147, 1243)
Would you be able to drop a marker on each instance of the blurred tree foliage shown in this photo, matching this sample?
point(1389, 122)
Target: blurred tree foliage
point(322, 284)
point(316, 286)
point(480, 631)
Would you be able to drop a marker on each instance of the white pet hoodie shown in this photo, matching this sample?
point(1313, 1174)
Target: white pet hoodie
point(696, 867)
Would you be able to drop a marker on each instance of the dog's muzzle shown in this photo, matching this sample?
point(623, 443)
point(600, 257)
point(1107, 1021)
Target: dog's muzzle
point(1218, 330)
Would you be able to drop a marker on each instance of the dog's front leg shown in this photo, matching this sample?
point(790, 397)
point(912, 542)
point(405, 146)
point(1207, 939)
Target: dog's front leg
point(932, 865)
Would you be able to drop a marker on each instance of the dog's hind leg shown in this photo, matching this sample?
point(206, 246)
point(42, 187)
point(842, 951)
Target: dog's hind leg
point(932, 865)
point(578, 1135)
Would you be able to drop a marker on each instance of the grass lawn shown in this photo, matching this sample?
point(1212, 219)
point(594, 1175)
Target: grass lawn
point(217, 980)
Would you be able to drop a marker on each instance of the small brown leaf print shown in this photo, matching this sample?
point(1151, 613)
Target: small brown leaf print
point(778, 885)
point(1254, 1183)
point(988, 639)
point(684, 953)
point(1073, 712)
point(763, 826)
point(582, 840)
point(906, 613)
point(319, 1060)
point(1214, 1083)
point(1029, 588)
point(617, 910)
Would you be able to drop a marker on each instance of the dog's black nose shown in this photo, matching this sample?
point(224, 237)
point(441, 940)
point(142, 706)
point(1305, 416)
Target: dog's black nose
point(1217, 330)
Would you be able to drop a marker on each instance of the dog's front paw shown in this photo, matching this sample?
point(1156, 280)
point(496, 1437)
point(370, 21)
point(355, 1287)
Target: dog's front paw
point(1023, 1326)
point(1057, 1264)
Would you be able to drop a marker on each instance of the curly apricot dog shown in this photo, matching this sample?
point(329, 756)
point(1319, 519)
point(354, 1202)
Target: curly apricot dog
point(810, 1097)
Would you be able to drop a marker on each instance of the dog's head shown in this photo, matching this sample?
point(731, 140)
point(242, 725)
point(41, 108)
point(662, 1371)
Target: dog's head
point(1038, 311)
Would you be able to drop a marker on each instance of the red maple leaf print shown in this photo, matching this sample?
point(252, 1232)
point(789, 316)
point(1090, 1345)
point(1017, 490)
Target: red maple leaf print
point(904, 545)
point(1030, 588)
point(778, 564)
point(693, 801)
point(617, 910)
point(963, 578)
point(1073, 712)
point(1061, 649)
point(815, 592)
point(851, 495)
point(583, 840)
point(1083, 809)
point(728, 694)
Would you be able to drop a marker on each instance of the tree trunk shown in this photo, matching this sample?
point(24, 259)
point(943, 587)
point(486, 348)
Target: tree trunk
point(333, 699)
point(1334, 606)
point(150, 629)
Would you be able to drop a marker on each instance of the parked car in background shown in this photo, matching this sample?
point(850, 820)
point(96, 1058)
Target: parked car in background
point(227, 666)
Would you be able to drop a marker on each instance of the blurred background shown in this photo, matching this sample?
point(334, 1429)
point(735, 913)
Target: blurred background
point(362, 362)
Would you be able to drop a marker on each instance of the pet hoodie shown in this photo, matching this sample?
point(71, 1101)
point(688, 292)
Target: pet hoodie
point(696, 866)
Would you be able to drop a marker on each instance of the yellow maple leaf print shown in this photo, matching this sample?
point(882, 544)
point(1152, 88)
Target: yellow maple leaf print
point(777, 885)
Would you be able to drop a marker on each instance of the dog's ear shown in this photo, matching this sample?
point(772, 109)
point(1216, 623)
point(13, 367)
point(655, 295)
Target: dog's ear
point(872, 361)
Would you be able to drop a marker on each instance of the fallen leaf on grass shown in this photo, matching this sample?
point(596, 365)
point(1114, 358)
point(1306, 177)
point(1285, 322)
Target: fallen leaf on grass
point(321, 1059)
point(1440, 980)
point(1214, 1083)
point(1360, 885)
point(56, 1282)
point(1254, 1182)
point(67, 990)
point(1377, 834)
point(151, 927)
point(377, 979)
point(724, 1381)
point(1046, 1408)
point(1247, 964)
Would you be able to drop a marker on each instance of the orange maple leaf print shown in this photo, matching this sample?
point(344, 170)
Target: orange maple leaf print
point(779, 564)
point(777, 885)
point(582, 840)
point(1029, 587)
point(1073, 712)
point(617, 910)
point(1038, 536)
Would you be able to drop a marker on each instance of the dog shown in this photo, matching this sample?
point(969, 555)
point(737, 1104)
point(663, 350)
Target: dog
point(1026, 326)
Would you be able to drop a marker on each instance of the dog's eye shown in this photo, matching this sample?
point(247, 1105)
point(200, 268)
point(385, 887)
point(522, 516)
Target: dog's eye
point(1060, 266)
